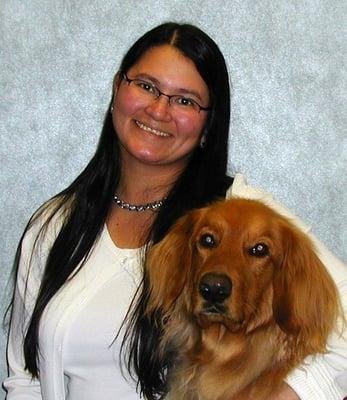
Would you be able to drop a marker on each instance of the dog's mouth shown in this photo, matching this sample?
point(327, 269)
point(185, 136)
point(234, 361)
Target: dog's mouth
point(215, 313)
point(214, 309)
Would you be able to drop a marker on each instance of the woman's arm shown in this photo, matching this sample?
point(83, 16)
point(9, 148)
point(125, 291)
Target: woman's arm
point(285, 392)
point(322, 376)
point(37, 241)
point(20, 385)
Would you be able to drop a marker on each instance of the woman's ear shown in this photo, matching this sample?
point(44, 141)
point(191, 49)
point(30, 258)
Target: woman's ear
point(203, 141)
point(116, 82)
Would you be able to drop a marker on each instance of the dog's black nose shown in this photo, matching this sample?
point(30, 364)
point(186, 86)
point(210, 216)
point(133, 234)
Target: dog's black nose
point(215, 288)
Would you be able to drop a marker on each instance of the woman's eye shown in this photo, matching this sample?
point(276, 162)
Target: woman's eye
point(146, 86)
point(259, 250)
point(185, 101)
point(207, 240)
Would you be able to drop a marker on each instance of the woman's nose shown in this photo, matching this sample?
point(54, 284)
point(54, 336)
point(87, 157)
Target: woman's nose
point(159, 109)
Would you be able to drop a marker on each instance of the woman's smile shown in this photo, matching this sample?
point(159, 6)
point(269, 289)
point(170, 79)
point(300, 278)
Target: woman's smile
point(151, 130)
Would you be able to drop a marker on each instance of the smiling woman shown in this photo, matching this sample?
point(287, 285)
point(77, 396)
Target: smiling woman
point(162, 152)
point(158, 129)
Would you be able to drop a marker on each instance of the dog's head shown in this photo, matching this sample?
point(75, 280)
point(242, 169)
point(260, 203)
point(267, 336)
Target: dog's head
point(240, 264)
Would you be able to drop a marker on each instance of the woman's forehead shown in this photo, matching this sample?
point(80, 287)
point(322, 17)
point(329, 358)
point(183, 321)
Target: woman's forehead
point(169, 68)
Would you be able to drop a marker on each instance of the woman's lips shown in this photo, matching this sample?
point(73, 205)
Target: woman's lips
point(151, 130)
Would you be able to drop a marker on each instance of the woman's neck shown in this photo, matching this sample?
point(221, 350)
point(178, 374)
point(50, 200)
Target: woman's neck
point(141, 184)
point(138, 185)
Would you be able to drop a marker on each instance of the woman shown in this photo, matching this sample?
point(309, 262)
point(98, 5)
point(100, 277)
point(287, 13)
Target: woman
point(163, 151)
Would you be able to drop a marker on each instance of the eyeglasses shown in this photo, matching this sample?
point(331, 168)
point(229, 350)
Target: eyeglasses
point(149, 92)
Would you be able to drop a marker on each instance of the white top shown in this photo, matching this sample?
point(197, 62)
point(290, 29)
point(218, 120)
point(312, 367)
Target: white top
point(79, 357)
point(90, 353)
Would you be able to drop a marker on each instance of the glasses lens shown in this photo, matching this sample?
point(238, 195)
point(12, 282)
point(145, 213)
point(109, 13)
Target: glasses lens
point(184, 104)
point(148, 92)
point(144, 88)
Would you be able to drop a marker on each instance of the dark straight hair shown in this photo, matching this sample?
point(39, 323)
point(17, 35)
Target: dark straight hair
point(86, 202)
point(203, 181)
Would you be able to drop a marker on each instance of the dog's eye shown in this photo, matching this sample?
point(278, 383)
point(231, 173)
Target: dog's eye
point(207, 240)
point(259, 250)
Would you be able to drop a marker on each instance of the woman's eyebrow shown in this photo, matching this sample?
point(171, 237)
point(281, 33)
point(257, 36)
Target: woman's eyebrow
point(155, 81)
point(148, 77)
point(189, 92)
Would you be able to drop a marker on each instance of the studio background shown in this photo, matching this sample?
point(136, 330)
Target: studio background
point(287, 66)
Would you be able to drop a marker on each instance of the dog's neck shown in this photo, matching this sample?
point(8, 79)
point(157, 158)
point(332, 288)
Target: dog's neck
point(216, 339)
point(245, 357)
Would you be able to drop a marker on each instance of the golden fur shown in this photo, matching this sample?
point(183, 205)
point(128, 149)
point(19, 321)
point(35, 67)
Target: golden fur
point(282, 306)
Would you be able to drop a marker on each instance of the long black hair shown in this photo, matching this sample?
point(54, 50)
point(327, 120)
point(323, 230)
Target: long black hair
point(203, 181)
point(89, 197)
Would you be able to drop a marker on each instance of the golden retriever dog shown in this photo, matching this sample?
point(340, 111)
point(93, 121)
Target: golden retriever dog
point(243, 298)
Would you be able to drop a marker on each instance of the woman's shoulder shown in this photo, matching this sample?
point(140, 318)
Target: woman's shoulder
point(240, 188)
point(36, 242)
point(47, 220)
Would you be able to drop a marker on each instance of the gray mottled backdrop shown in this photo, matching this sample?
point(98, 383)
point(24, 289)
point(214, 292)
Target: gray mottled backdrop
point(286, 61)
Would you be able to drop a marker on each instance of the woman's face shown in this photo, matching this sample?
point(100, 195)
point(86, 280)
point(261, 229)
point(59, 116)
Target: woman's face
point(151, 131)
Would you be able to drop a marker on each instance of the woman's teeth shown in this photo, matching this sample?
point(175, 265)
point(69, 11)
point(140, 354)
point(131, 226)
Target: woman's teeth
point(151, 130)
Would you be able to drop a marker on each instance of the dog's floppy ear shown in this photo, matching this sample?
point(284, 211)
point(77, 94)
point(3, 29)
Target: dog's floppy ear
point(168, 264)
point(305, 297)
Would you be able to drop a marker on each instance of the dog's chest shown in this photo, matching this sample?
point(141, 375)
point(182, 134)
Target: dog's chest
point(217, 346)
point(218, 355)
point(224, 364)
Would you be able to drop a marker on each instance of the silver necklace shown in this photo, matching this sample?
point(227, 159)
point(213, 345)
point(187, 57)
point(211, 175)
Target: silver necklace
point(141, 207)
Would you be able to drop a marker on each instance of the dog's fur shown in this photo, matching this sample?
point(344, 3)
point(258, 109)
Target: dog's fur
point(282, 307)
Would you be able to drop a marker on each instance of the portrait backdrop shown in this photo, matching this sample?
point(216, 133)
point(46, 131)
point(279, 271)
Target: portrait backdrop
point(286, 61)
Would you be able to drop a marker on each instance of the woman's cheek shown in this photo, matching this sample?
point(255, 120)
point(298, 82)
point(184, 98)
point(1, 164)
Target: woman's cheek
point(192, 126)
point(127, 104)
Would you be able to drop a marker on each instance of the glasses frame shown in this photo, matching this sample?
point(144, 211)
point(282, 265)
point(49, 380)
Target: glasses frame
point(160, 93)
